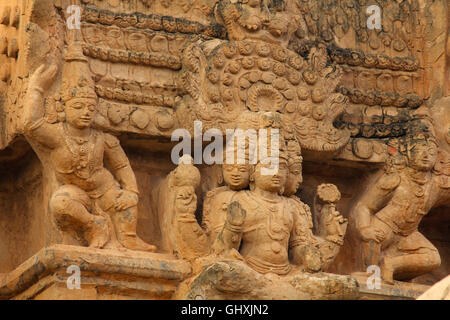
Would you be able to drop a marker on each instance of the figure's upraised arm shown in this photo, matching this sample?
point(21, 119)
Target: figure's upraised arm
point(35, 126)
point(40, 81)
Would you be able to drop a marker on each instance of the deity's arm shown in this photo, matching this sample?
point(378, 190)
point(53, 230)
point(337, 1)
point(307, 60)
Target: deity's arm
point(117, 162)
point(303, 245)
point(442, 188)
point(229, 239)
point(34, 124)
point(33, 109)
point(39, 82)
point(315, 252)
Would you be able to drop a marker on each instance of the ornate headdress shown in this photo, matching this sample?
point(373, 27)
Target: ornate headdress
point(293, 148)
point(76, 75)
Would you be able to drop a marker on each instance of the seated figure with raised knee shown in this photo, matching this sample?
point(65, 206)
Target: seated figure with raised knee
point(390, 211)
point(98, 195)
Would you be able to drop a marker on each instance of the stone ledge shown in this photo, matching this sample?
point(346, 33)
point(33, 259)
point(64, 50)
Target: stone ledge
point(397, 291)
point(126, 269)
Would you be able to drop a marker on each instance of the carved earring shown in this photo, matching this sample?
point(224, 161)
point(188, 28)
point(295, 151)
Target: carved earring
point(220, 179)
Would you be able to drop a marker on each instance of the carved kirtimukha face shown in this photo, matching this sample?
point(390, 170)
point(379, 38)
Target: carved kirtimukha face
point(269, 179)
point(80, 112)
point(423, 156)
point(236, 176)
point(294, 180)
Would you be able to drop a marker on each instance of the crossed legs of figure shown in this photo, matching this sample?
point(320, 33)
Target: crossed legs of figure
point(72, 208)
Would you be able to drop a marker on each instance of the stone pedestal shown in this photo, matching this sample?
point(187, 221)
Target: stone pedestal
point(397, 291)
point(113, 274)
point(235, 280)
point(105, 274)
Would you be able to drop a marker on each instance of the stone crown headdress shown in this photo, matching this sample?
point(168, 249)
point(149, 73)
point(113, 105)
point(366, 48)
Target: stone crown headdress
point(77, 82)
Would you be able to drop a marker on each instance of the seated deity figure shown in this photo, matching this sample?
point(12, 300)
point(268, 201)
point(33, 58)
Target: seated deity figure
point(391, 209)
point(236, 177)
point(265, 246)
point(268, 229)
point(97, 195)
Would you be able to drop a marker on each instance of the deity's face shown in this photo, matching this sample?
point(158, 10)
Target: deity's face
point(423, 156)
point(236, 176)
point(270, 179)
point(294, 180)
point(80, 112)
point(186, 199)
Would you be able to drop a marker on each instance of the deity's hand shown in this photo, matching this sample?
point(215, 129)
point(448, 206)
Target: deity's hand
point(236, 214)
point(43, 77)
point(185, 201)
point(372, 234)
point(125, 200)
point(312, 259)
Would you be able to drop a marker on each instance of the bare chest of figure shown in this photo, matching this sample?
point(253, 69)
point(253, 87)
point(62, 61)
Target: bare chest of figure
point(80, 161)
point(411, 203)
point(267, 229)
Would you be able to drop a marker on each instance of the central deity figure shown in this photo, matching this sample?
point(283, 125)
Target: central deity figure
point(266, 225)
point(260, 233)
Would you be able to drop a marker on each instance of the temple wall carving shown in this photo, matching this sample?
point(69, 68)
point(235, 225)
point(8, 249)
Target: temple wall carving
point(90, 105)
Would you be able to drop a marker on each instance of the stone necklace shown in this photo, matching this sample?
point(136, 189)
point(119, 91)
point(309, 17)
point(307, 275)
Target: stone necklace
point(82, 150)
point(275, 229)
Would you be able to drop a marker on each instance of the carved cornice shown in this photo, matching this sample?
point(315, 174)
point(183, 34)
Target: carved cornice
point(149, 59)
point(151, 22)
point(134, 96)
point(358, 58)
point(373, 98)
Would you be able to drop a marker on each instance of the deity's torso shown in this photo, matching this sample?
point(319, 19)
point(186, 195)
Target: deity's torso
point(266, 232)
point(80, 162)
point(411, 201)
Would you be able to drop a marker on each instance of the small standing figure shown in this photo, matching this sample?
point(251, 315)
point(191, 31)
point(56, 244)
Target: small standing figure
point(181, 233)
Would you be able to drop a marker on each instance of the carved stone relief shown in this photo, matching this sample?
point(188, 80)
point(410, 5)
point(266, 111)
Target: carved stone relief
point(89, 124)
